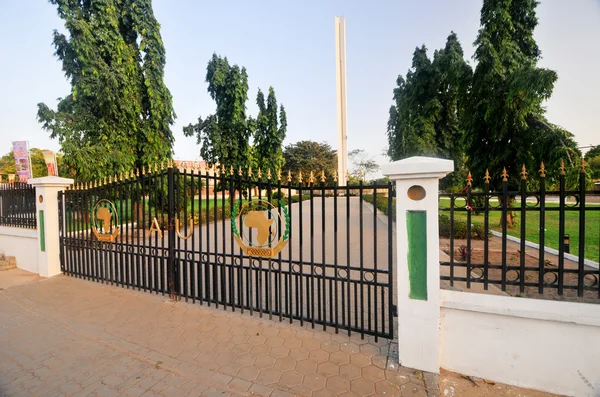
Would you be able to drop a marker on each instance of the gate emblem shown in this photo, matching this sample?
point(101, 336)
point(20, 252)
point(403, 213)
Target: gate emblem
point(104, 220)
point(255, 226)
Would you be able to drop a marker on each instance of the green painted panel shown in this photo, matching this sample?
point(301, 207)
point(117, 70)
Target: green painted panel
point(416, 224)
point(42, 232)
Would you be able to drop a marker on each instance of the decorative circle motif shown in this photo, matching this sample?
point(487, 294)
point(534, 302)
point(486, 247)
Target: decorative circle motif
point(550, 277)
point(153, 251)
point(237, 262)
point(318, 270)
point(142, 250)
point(220, 259)
point(255, 263)
point(456, 203)
point(274, 265)
point(204, 258)
point(532, 205)
point(369, 276)
point(296, 268)
point(189, 256)
point(343, 274)
point(476, 273)
point(130, 249)
point(590, 280)
point(498, 202)
point(573, 205)
point(119, 248)
point(512, 275)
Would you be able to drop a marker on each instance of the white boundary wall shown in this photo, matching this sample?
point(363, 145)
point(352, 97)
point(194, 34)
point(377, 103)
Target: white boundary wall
point(22, 244)
point(539, 344)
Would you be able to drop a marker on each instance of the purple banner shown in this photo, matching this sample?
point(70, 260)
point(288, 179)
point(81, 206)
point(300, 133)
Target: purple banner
point(22, 161)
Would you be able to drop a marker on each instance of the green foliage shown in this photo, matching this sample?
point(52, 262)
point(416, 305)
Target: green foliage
point(460, 228)
point(425, 119)
point(269, 134)
point(307, 156)
point(505, 114)
point(224, 135)
point(119, 112)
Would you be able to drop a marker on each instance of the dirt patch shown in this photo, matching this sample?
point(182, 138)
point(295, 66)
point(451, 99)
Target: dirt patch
point(455, 385)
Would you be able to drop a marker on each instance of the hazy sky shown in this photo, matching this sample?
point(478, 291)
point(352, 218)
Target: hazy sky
point(290, 45)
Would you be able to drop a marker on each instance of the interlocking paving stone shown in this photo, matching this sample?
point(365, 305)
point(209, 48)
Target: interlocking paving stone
point(72, 337)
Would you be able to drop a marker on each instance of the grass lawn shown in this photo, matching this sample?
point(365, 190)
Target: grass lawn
point(532, 224)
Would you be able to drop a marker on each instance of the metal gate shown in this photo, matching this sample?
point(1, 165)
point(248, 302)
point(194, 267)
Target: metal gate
point(290, 247)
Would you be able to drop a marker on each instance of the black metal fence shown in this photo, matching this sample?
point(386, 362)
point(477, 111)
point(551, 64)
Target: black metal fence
point(17, 205)
point(188, 233)
point(484, 235)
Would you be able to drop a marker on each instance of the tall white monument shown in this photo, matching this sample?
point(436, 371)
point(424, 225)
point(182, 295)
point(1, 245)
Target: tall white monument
point(340, 72)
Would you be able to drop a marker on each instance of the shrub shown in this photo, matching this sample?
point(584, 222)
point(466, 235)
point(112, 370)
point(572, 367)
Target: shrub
point(460, 228)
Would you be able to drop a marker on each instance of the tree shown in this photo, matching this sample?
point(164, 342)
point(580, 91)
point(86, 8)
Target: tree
point(307, 156)
point(118, 114)
point(505, 113)
point(363, 163)
point(425, 119)
point(269, 134)
point(224, 136)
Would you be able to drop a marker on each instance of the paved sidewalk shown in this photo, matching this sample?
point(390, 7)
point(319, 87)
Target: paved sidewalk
point(71, 337)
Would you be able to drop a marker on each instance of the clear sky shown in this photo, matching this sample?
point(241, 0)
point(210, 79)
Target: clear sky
point(290, 45)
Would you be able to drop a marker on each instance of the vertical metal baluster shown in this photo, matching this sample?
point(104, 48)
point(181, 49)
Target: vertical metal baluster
point(581, 248)
point(311, 297)
point(279, 273)
point(504, 226)
point(469, 209)
point(231, 201)
point(452, 203)
point(323, 297)
point(561, 231)
point(348, 277)
point(523, 229)
point(300, 281)
point(390, 283)
point(541, 251)
point(207, 274)
point(260, 272)
point(374, 267)
point(193, 278)
point(335, 302)
point(290, 290)
point(216, 272)
point(250, 274)
point(145, 236)
point(240, 278)
point(201, 274)
point(224, 272)
point(187, 266)
point(486, 231)
point(362, 266)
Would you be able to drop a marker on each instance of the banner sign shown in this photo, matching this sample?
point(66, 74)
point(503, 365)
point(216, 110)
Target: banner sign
point(50, 160)
point(22, 160)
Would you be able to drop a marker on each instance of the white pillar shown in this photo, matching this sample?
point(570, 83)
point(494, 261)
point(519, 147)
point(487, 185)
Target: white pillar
point(46, 192)
point(418, 267)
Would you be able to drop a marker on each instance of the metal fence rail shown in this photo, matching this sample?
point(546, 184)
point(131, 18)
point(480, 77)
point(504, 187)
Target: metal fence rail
point(335, 271)
point(17, 205)
point(564, 214)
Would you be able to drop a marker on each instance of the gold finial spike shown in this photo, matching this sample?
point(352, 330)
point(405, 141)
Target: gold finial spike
point(120, 176)
point(250, 171)
point(582, 164)
point(487, 176)
point(335, 176)
point(223, 170)
point(562, 167)
point(543, 170)
point(162, 165)
point(216, 170)
point(323, 178)
point(289, 177)
point(469, 179)
point(269, 175)
point(504, 175)
point(312, 177)
point(195, 166)
point(361, 175)
point(231, 171)
point(300, 176)
point(259, 174)
point(279, 175)
point(131, 174)
point(156, 167)
point(524, 173)
point(137, 172)
point(240, 172)
point(143, 170)
point(170, 163)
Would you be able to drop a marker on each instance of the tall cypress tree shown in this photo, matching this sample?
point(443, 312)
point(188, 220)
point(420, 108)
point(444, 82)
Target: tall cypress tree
point(119, 112)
